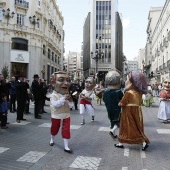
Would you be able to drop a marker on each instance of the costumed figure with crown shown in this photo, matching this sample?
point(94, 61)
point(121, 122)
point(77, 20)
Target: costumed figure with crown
point(164, 106)
point(111, 97)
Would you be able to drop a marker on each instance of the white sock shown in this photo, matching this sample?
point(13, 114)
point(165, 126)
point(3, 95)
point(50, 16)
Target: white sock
point(114, 129)
point(52, 139)
point(82, 116)
point(144, 143)
point(66, 144)
point(119, 144)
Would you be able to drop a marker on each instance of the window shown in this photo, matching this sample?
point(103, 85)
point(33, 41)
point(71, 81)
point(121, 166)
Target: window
point(49, 53)
point(44, 49)
point(20, 19)
point(0, 15)
point(19, 44)
point(39, 3)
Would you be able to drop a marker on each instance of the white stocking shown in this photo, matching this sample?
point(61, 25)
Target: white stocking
point(114, 129)
point(66, 144)
point(52, 139)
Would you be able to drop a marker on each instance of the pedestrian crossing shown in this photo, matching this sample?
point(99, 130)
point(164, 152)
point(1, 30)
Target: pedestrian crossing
point(80, 162)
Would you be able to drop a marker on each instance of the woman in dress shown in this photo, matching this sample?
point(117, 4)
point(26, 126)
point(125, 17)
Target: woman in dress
point(131, 120)
point(164, 107)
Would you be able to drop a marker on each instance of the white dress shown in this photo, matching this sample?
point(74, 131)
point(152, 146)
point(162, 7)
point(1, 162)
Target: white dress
point(87, 108)
point(164, 110)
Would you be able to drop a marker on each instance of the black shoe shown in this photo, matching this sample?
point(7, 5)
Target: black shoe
point(51, 144)
point(18, 121)
point(15, 110)
point(37, 117)
point(23, 119)
point(119, 146)
point(112, 135)
point(70, 109)
point(44, 111)
point(145, 147)
point(68, 151)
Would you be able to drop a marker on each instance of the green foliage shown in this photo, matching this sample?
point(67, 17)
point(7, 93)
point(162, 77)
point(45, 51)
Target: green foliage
point(5, 71)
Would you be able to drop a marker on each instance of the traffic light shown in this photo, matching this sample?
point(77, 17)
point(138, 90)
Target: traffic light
point(151, 74)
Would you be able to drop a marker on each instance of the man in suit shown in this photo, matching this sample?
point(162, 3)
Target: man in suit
point(75, 87)
point(21, 96)
point(38, 95)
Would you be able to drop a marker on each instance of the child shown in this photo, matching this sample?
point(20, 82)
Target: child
point(3, 111)
point(86, 97)
point(131, 121)
point(111, 97)
point(164, 107)
point(60, 103)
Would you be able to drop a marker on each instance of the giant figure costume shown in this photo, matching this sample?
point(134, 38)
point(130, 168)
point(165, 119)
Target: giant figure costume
point(111, 97)
point(60, 111)
point(164, 106)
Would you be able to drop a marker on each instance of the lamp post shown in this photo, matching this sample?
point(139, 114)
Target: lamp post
point(33, 20)
point(98, 55)
point(7, 14)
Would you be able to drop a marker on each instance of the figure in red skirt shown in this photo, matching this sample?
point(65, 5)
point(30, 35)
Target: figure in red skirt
point(61, 102)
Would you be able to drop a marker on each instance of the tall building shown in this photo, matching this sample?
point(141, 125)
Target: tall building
point(31, 37)
point(103, 32)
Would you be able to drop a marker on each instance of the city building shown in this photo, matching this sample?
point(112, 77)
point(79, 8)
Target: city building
point(159, 38)
point(132, 65)
point(31, 37)
point(73, 65)
point(102, 40)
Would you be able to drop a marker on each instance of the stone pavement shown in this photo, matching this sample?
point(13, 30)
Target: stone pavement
point(26, 145)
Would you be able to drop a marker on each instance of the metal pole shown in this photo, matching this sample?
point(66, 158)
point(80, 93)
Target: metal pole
point(96, 69)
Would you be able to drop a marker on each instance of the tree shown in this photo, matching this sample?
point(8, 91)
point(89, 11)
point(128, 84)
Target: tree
point(5, 71)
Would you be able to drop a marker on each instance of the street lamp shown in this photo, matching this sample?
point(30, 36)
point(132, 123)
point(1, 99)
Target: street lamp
point(34, 21)
point(98, 55)
point(7, 14)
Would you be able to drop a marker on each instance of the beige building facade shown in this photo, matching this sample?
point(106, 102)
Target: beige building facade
point(32, 39)
point(159, 38)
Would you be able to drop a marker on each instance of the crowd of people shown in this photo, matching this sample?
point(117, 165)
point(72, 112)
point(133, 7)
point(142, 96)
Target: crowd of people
point(16, 95)
point(122, 100)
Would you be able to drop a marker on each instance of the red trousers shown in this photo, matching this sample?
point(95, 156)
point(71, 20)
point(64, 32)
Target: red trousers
point(55, 126)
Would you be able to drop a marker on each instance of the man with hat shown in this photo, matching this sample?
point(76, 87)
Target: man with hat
point(38, 95)
point(21, 96)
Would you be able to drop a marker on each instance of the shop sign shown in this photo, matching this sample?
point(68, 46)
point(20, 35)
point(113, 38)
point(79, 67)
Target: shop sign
point(20, 56)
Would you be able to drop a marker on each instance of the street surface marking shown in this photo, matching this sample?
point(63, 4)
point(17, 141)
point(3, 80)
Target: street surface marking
point(85, 162)
point(126, 152)
point(2, 149)
point(45, 125)
point(21, 123)
point(49, 125)
point(75, 126)
point(143, 155)
point(124, 168)
point(163, 131)
point(104, 129)
point(32, 156)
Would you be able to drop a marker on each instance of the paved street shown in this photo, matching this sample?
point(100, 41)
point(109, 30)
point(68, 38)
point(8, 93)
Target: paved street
point(25, 146)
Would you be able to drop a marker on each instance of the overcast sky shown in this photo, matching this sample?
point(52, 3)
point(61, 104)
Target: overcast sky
point(134, 17)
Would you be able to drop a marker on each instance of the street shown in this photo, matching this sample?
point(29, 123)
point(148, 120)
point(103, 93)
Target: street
point(25, 145)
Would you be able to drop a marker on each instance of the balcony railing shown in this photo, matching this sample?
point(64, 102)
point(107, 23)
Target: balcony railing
point(23, 4)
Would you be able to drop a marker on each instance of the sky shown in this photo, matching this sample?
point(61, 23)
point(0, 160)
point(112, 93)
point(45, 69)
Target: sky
point(134, 19)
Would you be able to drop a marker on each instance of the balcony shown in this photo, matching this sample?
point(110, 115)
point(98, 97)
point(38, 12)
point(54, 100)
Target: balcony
point(20, 27)
point(24, 4)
